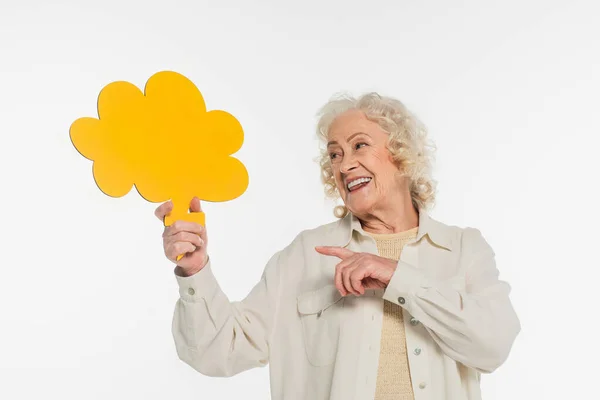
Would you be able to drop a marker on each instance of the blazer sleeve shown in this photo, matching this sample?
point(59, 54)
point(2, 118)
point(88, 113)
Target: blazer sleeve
point(474, 321)
point(218, 337)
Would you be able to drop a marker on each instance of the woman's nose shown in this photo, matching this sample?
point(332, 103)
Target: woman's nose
point(348, 164)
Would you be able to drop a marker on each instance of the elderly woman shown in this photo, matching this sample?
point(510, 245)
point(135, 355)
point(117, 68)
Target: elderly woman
point(383, 303)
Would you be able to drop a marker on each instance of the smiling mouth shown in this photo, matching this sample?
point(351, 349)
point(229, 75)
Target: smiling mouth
point(358, 184)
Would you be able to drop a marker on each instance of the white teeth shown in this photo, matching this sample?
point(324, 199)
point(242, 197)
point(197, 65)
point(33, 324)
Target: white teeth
point(358, 182)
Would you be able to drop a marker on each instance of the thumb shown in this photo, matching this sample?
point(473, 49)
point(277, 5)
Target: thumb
point(195, 205)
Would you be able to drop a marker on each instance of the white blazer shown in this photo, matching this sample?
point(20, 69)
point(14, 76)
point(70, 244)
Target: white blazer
point(320, 345)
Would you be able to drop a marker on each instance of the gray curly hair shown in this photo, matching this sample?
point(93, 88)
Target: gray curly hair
point(408, 144)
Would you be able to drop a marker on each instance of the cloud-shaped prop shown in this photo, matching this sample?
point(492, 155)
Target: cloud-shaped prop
point(165, 143)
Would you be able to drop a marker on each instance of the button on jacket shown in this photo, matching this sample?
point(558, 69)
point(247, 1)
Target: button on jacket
point(458, 317)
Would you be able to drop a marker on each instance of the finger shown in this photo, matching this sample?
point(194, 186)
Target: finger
point(356, 276)
point(339, 269)
point(372, 283)
point(193, 238)
point(163, 210)
point(187, 226)
point(191, 227)
point(195, 205)
point(336, 251)
point(338, 281)
point(346, 279)
point(344, 268)
point(348, 261)
point(179, 248)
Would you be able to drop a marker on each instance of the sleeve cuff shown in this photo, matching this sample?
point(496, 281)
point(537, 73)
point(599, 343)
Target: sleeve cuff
point(403, 286)
point(195, 287)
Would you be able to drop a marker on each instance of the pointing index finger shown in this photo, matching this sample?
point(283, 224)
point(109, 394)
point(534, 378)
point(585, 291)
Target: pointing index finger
point(336, 251)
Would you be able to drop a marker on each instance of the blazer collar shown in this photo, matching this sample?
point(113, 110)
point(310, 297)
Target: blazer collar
point(439, 233)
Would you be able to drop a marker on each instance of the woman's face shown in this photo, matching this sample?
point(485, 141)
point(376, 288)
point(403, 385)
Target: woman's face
point(357, 149)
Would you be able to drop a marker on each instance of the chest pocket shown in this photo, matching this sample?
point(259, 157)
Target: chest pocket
point(320, 313)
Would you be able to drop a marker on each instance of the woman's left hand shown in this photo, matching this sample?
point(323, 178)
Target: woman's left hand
point(359, 271)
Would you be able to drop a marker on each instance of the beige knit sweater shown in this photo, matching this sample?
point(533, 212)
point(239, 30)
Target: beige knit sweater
point(393, 375)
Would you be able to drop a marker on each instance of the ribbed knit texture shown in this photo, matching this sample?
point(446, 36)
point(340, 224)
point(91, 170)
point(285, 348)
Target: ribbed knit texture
point(393, 375)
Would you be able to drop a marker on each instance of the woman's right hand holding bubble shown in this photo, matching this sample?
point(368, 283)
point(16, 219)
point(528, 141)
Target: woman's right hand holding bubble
point(183, 237)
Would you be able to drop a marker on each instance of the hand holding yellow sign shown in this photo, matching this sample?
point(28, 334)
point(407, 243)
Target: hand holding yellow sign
point(165, 143)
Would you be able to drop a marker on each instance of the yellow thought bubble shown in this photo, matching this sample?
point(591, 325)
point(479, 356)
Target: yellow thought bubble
point(165, 143)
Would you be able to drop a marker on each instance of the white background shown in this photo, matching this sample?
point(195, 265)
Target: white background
point(509, 91)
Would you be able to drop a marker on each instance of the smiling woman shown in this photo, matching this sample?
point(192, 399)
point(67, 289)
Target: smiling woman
point(396, 134)
point(383, 303)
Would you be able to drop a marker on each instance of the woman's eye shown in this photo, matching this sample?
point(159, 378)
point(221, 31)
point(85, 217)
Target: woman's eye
point(332, 155)
point(358, 144)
